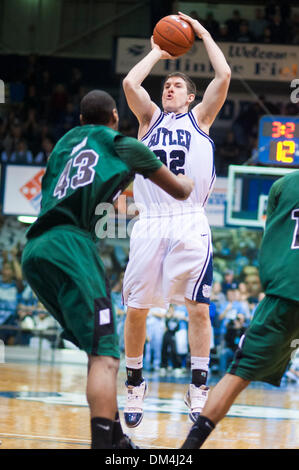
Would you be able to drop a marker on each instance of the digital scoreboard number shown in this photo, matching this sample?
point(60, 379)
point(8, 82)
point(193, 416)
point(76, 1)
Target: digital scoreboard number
point(278, 142)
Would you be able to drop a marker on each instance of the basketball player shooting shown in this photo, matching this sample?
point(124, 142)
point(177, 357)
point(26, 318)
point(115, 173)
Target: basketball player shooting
point(166, 267)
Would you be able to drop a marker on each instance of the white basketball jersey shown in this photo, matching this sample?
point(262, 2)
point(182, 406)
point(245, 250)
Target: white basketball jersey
point(180, 144)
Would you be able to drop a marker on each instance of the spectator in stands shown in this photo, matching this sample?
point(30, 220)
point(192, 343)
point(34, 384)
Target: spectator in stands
point(233, 24)
point(170, 357)
point(47, 147)
point(229, 153)
point(11, 284)
point(120, 310)
point(68, 120)
point(229, 281)
point(155, 324)
point(58, 104)
point(235, 329)
point(254, 287)
point(244, 34)
point(217, 296)
point(76, 81)
point(22, 154)
point(31, 130)
point(265, 38)
point(181, 335)
point(246, 123)
point(211, 24)
point(11, 140)
point(258, 25)
point(230, 309)
point(280, 34)
point(223, 34)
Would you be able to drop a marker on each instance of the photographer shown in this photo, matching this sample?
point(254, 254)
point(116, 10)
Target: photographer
point(234, 330)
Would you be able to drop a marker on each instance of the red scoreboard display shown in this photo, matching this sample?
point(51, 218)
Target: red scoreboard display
point(278, 142)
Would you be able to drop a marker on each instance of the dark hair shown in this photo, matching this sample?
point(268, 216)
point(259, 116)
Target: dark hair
point(96, 107)
point(191, 87)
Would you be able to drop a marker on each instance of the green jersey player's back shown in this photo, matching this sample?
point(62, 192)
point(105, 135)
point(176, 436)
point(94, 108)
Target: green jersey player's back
point(89, 165)
point(279, 254)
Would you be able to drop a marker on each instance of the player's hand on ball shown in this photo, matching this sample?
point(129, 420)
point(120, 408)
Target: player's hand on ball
point(199, 30)
point(164, 54)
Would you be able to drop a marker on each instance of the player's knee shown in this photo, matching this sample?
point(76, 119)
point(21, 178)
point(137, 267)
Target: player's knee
point(111, 364)
point(200, 312)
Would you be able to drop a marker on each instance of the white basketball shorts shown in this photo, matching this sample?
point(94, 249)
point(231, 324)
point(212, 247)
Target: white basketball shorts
point(170, 259)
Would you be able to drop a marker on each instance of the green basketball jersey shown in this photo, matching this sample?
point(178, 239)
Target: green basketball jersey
point(89, 165)
point(279, 254)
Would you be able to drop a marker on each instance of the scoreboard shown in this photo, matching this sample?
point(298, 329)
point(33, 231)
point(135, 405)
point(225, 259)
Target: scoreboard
point(278, 141)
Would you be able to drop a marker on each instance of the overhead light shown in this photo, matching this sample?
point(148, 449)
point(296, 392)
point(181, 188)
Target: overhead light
point(25, 219)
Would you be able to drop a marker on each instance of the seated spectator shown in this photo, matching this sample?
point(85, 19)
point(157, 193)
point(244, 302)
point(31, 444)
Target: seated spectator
point(279, 31)
point(47, 147)
point(9, 297)
point(217, 296)
point(266, 38)
point(120, 310)
point(155, 324)
point(223, 34)
point(230, 309)
point(22, 155)
point(244, 34)
point(170, 357)
point(229, 281)
point(254, 287)
point(181, 335)
point(234, 331)
point(229, 153)
point(31, 130)
point(233, 24)
point(258, 25)
point(211, 24)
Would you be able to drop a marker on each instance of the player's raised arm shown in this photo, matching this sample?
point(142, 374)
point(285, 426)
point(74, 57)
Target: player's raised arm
point(216, 92)
point(137, 97)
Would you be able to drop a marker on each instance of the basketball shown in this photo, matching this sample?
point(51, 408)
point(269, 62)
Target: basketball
point(174, 35)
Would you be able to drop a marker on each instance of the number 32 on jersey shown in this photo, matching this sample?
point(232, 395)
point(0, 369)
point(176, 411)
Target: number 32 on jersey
point(85, 162)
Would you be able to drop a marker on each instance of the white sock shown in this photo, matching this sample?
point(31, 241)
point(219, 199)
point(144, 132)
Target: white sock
point(134, 362)
point(201, 363)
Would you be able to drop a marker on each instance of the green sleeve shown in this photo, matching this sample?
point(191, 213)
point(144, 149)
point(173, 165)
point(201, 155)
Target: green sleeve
point(137, 156)
point(274, 196)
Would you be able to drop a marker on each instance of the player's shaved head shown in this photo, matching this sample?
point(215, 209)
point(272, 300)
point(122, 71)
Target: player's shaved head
point(97, 107)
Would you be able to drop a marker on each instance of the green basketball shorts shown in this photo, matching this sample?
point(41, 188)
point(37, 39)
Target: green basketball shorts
point(266, 348)
point(65, 271)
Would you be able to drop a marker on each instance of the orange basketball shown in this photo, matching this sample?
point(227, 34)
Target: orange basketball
point(174, 35)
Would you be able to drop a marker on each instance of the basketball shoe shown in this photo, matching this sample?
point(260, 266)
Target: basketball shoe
point(125, 443)
point(133, 412)
point(195, 399)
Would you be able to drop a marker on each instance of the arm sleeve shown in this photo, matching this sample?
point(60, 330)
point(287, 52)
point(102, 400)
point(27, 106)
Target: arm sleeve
point(274, 196)
point(137, 156)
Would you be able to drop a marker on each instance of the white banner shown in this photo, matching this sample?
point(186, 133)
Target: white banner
point(22, 189)
point(268, 62)
point(215, 208)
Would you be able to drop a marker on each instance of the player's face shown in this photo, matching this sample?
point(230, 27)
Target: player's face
point(175, 97)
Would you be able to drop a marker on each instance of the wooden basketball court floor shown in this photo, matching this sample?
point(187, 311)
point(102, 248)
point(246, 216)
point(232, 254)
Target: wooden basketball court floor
point(43, 406)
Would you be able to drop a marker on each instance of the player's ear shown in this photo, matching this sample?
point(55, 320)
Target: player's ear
point(81, 120)
point(115, 118)
point(191, 98)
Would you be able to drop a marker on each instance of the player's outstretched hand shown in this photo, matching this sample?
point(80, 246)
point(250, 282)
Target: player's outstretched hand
point(164, 54)
point(198, 28)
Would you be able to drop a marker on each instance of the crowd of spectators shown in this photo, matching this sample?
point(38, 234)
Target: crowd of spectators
point(273, 24)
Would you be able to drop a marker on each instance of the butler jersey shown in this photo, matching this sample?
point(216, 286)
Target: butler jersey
point(279, 254)
point(185, 149)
